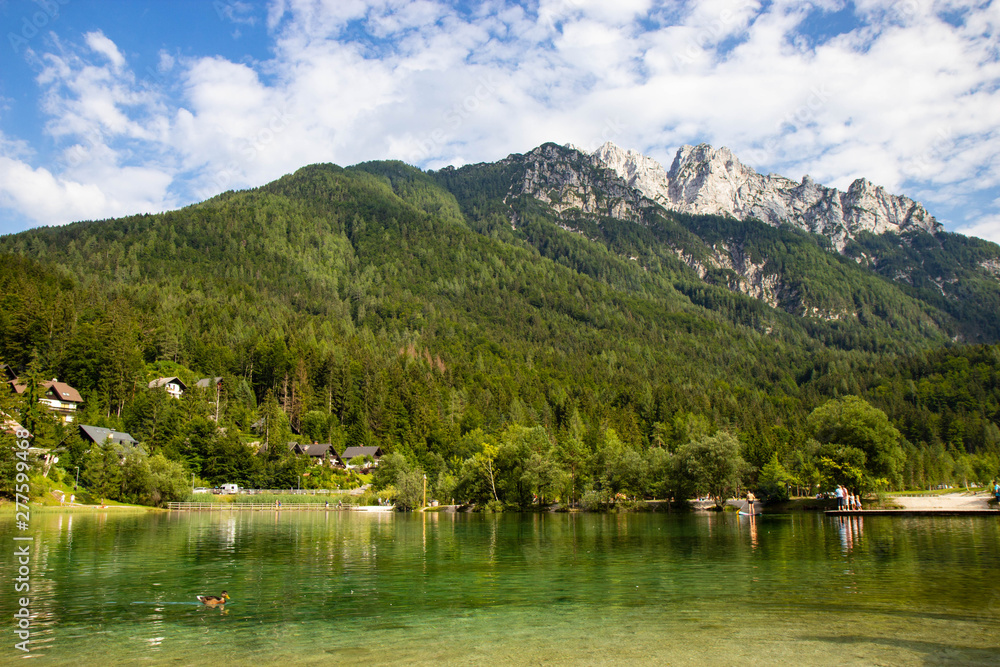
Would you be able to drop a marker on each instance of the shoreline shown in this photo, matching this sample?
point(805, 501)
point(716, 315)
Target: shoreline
point(9, 508)
point(958, 502)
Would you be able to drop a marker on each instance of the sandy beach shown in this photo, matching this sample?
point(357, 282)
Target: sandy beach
point(959, 500)
point(951, 501)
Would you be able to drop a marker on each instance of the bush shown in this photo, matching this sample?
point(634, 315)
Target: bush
point(409, 490)
point(493, 507)
point(386, 496)
point(597, 501)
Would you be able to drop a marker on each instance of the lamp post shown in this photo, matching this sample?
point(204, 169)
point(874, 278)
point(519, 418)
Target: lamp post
point(76, 485)
point(425, 492)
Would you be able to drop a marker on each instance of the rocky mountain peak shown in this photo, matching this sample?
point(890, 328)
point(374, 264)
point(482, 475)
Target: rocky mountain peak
point(564, 178)
point(707, 180)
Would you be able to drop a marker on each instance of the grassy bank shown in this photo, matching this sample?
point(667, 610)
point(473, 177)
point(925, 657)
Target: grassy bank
point(272, 498)
point(8, 508)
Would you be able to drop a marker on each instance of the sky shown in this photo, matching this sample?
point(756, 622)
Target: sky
point(110, 108)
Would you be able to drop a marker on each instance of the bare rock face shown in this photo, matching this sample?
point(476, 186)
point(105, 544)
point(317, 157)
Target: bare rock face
point(705, 180)
point(566, 179)
point(640, 172)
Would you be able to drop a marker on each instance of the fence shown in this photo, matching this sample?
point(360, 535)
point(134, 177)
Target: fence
point(285, 492)
point(226, 507)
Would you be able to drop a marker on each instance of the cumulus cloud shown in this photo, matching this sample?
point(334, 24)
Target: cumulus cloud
point(54, 200)
point(905, 97)
point(110, 135)
point(986, 227)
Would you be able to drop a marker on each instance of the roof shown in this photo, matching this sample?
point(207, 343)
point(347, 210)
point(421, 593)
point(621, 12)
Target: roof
point(317, 449)
point(352, 452)
point(58, 390)
point(161, 382)
point(101, 435)
point(63, 392)
point(8, 371)
point(205, 383)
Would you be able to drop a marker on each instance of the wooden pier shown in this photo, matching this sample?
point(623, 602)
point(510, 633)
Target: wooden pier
point(915, 512)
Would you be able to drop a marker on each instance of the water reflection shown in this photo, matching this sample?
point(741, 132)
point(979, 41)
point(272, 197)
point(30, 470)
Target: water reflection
point(851, 528)
point(114, 589)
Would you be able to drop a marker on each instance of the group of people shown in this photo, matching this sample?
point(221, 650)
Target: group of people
point(845, 499)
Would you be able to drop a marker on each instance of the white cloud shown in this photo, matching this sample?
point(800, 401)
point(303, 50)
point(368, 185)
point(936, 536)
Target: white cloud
point(104, 46)
point(111, 136)
point(986, 227)
point(53, 200)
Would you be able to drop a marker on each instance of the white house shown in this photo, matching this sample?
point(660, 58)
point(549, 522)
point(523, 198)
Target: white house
point(174, 386)
point(60, 398)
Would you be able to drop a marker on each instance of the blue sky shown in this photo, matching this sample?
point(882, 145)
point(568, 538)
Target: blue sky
point(110, 108)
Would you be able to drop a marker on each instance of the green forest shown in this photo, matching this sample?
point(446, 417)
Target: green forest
point(567, 358)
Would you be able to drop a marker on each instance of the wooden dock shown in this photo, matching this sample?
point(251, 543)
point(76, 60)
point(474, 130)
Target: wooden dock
point(915, 512)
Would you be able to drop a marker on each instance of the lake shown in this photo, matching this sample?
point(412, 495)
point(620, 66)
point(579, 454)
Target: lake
point(328, 587)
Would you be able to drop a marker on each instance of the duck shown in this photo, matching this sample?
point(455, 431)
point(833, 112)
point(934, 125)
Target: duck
point(213, 600)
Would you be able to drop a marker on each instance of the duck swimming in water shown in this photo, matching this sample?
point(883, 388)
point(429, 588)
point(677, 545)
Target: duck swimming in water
point(214, 601)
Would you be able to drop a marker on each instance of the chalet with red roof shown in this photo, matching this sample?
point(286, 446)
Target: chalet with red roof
point(61, 399)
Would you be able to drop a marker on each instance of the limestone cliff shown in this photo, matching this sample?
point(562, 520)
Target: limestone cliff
point(706, 180)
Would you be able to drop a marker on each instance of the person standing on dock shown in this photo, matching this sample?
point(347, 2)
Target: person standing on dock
point(839, 492)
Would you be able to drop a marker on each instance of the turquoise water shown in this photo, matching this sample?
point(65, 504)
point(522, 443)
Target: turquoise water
point(351, 588)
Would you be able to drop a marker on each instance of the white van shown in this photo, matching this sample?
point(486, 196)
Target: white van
point(230, 488)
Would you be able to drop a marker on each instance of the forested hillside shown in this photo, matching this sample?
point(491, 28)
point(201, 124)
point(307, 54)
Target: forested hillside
point(564, 355)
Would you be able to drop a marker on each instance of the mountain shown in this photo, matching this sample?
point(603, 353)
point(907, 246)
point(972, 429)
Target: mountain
point(429, 312)
point(704, 180)
point(882, 260)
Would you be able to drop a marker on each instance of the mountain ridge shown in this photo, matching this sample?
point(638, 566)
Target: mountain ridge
point(706, 180)
point(428, 312)
point(597, 195)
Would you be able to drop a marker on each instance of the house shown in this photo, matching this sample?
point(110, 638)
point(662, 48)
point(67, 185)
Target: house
point(353, 452)
point(8, 373)
point(174, 386)
point(209, 383)
point(99, 436)
point(60, 398)
point(319, 454)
